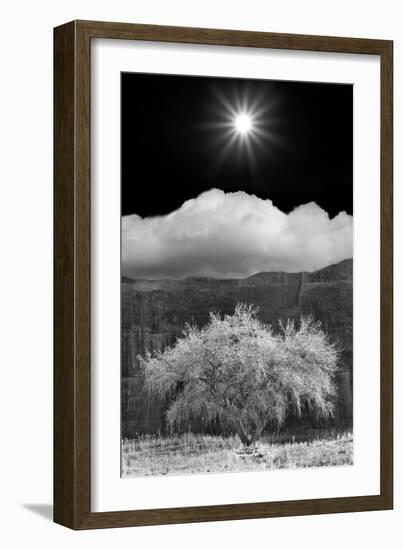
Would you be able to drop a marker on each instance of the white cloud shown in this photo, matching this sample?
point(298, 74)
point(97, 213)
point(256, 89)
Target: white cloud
point(227, 235)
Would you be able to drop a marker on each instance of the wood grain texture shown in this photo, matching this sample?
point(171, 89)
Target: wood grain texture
point(72, 266)
point(220, 37)
point(64, 382)
point(72, 217)
point(387, 273)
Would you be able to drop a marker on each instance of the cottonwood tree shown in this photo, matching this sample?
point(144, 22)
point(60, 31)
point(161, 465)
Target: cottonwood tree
point(237, 369)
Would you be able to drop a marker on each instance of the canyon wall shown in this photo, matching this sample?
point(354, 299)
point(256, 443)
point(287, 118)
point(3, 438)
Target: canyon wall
point(155, 312)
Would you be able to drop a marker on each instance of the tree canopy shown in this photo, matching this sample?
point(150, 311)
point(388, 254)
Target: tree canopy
point(239, 370)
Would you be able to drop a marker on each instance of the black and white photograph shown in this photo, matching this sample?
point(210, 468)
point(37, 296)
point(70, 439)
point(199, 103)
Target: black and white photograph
point(236, 275)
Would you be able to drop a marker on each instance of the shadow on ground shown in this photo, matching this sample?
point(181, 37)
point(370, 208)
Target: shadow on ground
point(44, 510)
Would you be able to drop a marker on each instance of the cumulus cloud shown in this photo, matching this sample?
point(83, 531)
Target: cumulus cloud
point(231, 235)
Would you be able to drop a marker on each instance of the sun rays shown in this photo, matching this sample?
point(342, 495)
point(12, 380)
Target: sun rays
point(243, 123)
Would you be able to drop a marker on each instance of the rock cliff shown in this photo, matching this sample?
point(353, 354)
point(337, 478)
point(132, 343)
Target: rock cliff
point(154, 313)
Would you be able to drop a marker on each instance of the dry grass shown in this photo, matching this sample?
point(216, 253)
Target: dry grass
point(190, 454)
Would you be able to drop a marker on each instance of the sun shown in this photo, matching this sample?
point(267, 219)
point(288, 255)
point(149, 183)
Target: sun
point(243, 123)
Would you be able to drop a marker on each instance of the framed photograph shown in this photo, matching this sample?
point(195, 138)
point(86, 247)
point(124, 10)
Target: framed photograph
point(222, 275)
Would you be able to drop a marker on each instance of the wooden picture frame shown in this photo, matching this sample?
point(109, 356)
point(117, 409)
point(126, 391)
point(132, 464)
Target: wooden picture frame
point(72, 295)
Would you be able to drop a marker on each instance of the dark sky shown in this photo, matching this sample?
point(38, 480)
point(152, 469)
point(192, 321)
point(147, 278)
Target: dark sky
point(172, 143)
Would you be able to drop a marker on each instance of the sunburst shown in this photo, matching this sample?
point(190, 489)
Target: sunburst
point(244, 121)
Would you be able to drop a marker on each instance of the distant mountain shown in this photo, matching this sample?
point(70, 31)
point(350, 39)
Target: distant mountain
point(155, 312)
point(341, 270)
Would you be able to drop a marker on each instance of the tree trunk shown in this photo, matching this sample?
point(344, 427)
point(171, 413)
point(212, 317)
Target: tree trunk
point(243, 435)
point(249, 439)
point(258, 432)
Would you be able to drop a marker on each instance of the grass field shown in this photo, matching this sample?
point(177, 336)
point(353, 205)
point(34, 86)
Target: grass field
point(189, 453)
